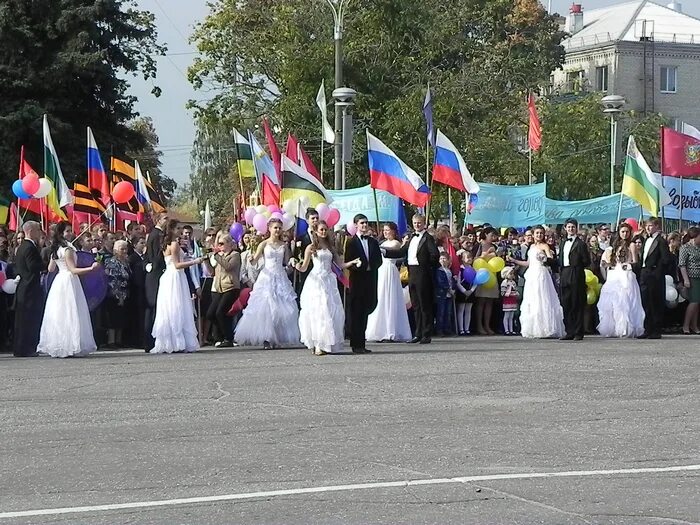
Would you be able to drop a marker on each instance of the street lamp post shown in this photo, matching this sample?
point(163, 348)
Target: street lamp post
point(338, 7)
point(613, 106)
point(344, 101)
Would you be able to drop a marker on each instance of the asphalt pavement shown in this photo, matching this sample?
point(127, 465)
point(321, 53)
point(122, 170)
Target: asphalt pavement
point(466, 430)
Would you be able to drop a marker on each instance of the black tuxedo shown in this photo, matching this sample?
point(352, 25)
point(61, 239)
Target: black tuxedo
point(29, 299)
point(154, 257)
point(298, 253)
point(421, 283)
point(136, 300)
point(573, 286)
point(652, 284)
point(363, 286)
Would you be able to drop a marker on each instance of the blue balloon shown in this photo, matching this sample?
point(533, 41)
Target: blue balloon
point(19, 191)
point(302, 227)
point(474, 198)
point(482, 277)
point(468, 275)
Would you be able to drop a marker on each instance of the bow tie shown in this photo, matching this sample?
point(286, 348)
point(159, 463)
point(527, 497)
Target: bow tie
point(571, 239)
point(416, 234)
point(364, 237)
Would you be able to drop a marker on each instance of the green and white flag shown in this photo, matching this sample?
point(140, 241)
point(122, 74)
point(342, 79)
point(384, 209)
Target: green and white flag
point(60, 194)
point(642, 184)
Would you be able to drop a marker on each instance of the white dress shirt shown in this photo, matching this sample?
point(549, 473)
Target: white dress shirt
point(647, 247)
point(413, 248)
point(365, 245)
point(567, 251)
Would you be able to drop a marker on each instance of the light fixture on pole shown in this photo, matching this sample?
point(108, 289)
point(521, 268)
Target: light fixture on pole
point(338, 7)
point(612, 105)
point(343, 102)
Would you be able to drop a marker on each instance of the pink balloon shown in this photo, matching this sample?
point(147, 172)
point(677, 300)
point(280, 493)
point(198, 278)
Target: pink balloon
point(260, 223)
point(273, 209)
point(323, 210)
point(249, 214)
point(276, 215)
point(352, 229)
point(30, 183)
point(333, 217)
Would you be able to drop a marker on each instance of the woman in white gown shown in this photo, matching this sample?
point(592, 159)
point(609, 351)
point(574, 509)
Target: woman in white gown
point(389, 321)
point(66, 329)
point(620, 305)
point(271, 317)
point(174, 329)
point(541, 314)
point(322, 316)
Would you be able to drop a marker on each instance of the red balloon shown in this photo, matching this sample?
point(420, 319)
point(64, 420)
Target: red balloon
point(123, 192)
point(30, 183)
point(633, 223)
point(333, 217)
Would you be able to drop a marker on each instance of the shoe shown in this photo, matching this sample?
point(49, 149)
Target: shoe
point(226, 344)
point(267, 345)
point(318, 351)
point(415, 340)
point(578, 338)
point(643, 336)
point(425, 341)
point(462, 332)
point(567, 338)
point(358, 351)
point(367, 350)
point(654, 336)
point(218, 344)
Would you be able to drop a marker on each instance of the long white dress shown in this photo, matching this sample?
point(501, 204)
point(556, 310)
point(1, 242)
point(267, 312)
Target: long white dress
point(322, 317)
point(271, 314)
point(541, 314)
point(66, 329)
point(389, 321)
point(620, 305)
point(174, 329)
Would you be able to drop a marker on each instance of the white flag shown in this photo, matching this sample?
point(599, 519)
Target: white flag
point(328, 133)
point(207, 216)
point(687, 129)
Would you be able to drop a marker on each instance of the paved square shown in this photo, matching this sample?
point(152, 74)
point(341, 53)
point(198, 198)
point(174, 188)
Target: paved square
point(121, 437)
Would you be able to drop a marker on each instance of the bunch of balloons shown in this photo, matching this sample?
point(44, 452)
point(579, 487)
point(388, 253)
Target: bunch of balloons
point(31, 187)
point(672, 295)
point(593, 287)
point(485, 271)
point(259, 216)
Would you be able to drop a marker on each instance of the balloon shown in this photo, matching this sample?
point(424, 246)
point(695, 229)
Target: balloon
point(482, 276)
point(669, 280)
point(671, 294)
point(468, 274)
point(45, 188)
point(287, 221)
point(291, 206)
point(352, 229)
point(492, 282)
point(123, 192)
point(276, 215)
point(302, 227)
point(261, 208)
point(30, 183)
point(333, 217)
point(9, 286)
point(480, 264)
point(267, 214)
point(94, 283)
point(591, 278)
point(633, 223)
point(18, 190)
point(598, 288)
point(273, 209)
point(591, 297)
point(3, 278)
point(496, 264)
point(323, 210)
point(237, 230)
point(260, 223)
point(248, 215)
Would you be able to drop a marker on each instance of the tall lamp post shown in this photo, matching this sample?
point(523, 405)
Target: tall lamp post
point(344, 101)
point(338, 7)
point(612, 105)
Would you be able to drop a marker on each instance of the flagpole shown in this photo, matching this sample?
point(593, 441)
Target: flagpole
point(449, 207)
point(529, 171)
point(322, 142)
point(428, 181)
point(376, 208)
point(619, 212)
point(661, 172)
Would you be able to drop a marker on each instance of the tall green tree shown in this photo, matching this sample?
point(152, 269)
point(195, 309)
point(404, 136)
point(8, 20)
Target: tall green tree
point(149, 157)
point(69, 59)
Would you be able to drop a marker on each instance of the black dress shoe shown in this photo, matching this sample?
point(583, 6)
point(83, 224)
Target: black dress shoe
point(567, 338)
point(578, 338)
point(415, 340)
point(425, 341)
point(367, 350)
point(654, 336)
point(643, 336)
point(358, 351)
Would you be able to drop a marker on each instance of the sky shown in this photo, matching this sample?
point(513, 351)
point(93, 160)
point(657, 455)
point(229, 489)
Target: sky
point(175, 20)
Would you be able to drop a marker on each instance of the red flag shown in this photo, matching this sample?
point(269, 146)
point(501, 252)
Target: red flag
point(296, 154)
point(292, 150)
point(274, 150)
point(680, 154)
point(534, 135)
point(13, 223)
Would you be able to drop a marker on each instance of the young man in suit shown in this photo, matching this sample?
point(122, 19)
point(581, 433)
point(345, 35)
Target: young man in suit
point(154, 263)
point(422, 258)
point(363, 281)
point(655, 259)
point(574, 258)
point(29, 296)
point(299, 250)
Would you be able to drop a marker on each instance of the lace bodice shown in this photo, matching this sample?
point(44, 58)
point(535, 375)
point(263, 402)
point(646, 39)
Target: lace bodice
point(61, 260)
point(274, 257)
point(323, 259)
point(536, 256)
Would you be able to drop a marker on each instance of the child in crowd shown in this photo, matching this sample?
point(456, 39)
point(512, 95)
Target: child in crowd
point(510, 294)
point(464, 294)
point(443, 295)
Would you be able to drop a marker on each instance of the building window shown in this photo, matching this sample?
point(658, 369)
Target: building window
point(669, 78)
point(601, 78)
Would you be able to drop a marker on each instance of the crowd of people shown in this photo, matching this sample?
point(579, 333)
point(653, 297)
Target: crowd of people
point(71, 293)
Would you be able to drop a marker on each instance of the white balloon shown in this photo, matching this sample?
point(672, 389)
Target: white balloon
point(323, 211)
point(291, 206)
point(45, 188)
point(9, 286)
point(671, 294)
point(669, 280)
point(287, 221)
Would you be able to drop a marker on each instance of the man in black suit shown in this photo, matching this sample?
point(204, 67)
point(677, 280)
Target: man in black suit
point(655, 260)
point(154, 263)
point(574, 258)
point(29, 296)
point(363, 281)
point(299, 249)
point(422, 258)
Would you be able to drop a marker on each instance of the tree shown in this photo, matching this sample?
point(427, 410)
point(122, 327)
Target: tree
point(67, 59)
point(149, 157)
point(480, 56)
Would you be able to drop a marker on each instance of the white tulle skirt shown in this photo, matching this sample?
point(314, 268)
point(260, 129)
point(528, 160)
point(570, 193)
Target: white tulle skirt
point(322, 318)
point(271, 314)
point(620, 305)
point(174, 329)
point(541, 314)
point(389, 321)
point(66, 329)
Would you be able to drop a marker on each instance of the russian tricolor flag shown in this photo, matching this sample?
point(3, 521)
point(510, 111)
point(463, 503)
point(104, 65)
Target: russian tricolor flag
point(389, 173)
point(449, 167)
point(97, 176)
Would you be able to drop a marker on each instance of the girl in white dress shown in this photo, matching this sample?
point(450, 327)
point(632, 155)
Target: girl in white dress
point(174, 329)
point(389, 321)
point(322, 317)
point(620, 305)
point(541, 314)
point(271, 317)
point(66, 330)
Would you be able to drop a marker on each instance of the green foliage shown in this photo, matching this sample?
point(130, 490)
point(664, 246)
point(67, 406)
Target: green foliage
point(67, 59)
point(149, 157)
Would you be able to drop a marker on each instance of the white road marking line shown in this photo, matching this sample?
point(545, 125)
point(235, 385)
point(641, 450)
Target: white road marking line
point(343, 488)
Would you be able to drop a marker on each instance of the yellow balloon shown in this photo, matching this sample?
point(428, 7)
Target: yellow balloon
point(480, 264)
point(261, 208)
point(590, 276)
point(492, 282)
point(591, 297)
point(496, 264)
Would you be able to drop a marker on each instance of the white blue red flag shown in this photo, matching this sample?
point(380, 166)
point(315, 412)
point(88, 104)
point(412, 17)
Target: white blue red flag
point(449, 167)
point(389, 173)
point(97, 175)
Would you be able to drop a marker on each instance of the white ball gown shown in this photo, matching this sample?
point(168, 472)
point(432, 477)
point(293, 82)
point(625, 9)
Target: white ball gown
point(66, 329)
point(174, 329)
point(620, 305)
point(322, 317)
point(389, 321)
point(271, 314)
point(541, 314)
